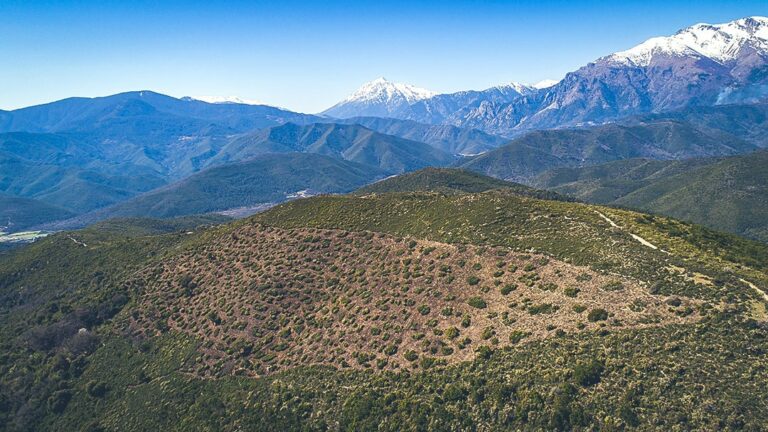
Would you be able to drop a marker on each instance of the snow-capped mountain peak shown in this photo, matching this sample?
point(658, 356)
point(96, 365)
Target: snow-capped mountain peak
point(380, 98)
point(224, 100)
point(523, 89)
point(545, 83)
point(382, 90)
point(719, 42)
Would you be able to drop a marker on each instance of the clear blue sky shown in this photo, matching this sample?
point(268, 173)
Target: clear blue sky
point(307, 55)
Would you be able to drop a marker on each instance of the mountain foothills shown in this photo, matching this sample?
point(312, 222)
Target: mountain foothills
point(728, 194)
point(438, 300)
point(16, 213)
point(447, 138)
point(657, 138)
point(348, 142)
point(240, 188)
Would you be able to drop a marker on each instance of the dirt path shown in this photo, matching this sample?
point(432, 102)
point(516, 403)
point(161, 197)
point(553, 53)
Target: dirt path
point(77, 241)
point(642, 241)
point(762, 293)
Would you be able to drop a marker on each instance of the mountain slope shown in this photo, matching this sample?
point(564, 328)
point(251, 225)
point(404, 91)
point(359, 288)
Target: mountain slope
point(266, 179)
point(172, 137)
point(728, 193)
point(746, 121)
point(604, 183)
point(533, 153)
point(68, 172)
point(17, 213)
point(349, 142)
point(447, 138)
point(444, 108)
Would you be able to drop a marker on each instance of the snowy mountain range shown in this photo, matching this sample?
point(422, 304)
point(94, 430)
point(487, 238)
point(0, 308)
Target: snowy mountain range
point(702, 65)
point(382, 98)
point(720, 42)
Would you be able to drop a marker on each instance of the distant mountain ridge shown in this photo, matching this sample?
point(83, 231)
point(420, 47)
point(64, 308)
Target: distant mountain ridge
point(264, 180)
point(535, 152)
point(87, 153)
point(702, 65)
point(447, 138)
point(350, 142)
point(382, 98)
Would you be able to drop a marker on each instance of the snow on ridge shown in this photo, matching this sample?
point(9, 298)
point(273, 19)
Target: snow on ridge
point(545, 83)
point(381, 90)
point(720, 42)
point(523, 89)
point(227, 100)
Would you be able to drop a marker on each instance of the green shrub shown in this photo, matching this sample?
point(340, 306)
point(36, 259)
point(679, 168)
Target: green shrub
point(454, 393)
point(424, 309)
point(466, 321)
point(588, 373)
point(58, 401)
point(411, 355)
point(477, 302)
point(517, 335)
point(613, 286)
point(571, 291)
point(508, 288)
point(597, 315)
point(544, 308)
point(426, 362)
point(96, 389)
point(214, 317)
point(484, 352)
point(473, 280)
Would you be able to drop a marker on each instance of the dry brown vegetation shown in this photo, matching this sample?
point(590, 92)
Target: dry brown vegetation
point(264, 299)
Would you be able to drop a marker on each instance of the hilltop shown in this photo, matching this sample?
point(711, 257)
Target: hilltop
point(332, 306)
point(449, 180)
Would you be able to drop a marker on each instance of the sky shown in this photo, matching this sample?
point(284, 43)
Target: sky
point(306, 56)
